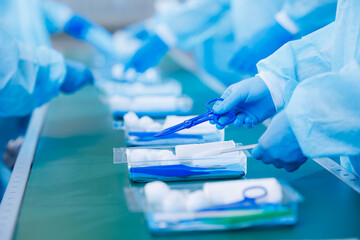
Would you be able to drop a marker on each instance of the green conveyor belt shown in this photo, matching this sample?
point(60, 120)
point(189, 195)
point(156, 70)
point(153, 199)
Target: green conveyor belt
point(76, 192)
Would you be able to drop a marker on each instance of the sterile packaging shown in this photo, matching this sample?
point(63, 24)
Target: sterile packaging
point(168, 87)
point(175, 207)
point(141, 131)
point(179, 163)
point(153, 106)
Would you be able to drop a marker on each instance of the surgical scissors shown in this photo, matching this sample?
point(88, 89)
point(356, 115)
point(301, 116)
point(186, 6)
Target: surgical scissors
point(251, 194)
point(209, 115)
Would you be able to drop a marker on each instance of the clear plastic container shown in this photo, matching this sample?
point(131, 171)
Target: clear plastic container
point(264, 214)
point(171, 168)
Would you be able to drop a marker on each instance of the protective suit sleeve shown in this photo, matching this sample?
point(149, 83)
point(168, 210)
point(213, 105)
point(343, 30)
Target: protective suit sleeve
point(193, 23)
point(56, 15)
point(331, 126)
point(295, 62)
point(60, 17)
point(28, 77)
point(305, 16)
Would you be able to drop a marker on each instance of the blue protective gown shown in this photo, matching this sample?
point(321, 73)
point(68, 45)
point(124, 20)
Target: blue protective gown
point(317, 78)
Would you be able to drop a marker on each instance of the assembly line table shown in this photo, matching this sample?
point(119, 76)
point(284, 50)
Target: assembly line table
point(76, 192)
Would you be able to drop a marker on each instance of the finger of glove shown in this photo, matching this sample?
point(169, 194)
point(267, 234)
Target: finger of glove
point(278, 164)
point(291, 167)
point(257, 152)
point(223, 96)
point(240, 120)
point(229, 102)
point(249, 122)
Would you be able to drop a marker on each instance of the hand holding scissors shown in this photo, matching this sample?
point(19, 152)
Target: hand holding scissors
point(208, 116)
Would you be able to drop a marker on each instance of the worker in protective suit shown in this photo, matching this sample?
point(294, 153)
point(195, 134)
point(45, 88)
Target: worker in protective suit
point(31, 72)
point(313, 84)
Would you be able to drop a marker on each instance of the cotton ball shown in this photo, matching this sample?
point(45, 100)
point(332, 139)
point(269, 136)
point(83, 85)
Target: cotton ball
point(154, 127)
point(117, 71)
point(145, 122)
point(130, 74)
point(131, 120)
point(151, 74)
point(138, 155)
point(197, 200)
point(174, 201)
point(156, 191)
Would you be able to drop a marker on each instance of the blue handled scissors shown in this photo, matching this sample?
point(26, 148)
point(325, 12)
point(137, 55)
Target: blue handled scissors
point(249, 201)
point(210, 115)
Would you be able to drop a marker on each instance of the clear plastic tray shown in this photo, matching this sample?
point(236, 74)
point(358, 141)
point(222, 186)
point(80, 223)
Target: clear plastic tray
point(161, 222)
point(136, 137)
point(180, 169)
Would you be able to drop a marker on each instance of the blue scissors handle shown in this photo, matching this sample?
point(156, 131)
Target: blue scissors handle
point(215, 117)
point(209, 115)
point(248, 202)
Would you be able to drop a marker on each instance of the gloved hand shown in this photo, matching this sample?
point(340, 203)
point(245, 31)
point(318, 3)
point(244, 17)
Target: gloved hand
point(279, 146)
point(77, 75)
point(261, 45)
point(148, 55)
point(250, 100)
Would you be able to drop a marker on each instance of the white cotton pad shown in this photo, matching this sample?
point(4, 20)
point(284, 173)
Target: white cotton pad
point(174, 201)
point(137, 155)
point(232, 191)
point(203, 128)
point(155, 103)
point(156, 191)
point(197, 200)
point(117, 71)
point(131, 120)
point(187, 151)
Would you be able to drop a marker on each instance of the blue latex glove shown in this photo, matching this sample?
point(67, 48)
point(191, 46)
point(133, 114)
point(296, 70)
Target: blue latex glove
point(77, 75)
point(250, 100)
point(261, 45)
point(138, 31)
point(148, 55)
point(279, 146)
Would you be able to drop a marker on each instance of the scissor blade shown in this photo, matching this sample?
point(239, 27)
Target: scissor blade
point(170, 130)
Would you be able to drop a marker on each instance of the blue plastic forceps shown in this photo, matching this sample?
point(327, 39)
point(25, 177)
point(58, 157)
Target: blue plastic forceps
point(248, 202)
point(210, 115)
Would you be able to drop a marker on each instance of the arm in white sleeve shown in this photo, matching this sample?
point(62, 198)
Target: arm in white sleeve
point(193, 23)
point(324, 113)
point(28, 77)
point(60, 17)
point(296, 61)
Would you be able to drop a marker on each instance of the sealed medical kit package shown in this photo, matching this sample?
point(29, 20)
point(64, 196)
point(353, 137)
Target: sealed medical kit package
point(211, 206)
point(167, 87)
point(141, 131)
point(180, 162)
point(153, 106)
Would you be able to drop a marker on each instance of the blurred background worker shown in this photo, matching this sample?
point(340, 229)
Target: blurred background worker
point(229, 37)
point(314, 85)
point(32, 73)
